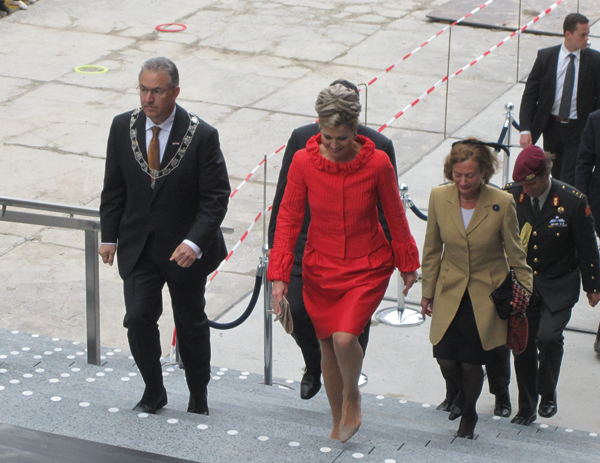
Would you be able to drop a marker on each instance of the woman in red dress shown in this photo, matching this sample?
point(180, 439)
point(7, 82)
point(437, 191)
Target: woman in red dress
point(348, 261)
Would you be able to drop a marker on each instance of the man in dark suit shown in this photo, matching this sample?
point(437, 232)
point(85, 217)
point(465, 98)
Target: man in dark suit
point(304, 333)
point(562, 89)
point(587, 175)
point(165, 195)
point(557, 230)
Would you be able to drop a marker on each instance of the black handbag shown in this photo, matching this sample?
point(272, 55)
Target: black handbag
point(502, 297)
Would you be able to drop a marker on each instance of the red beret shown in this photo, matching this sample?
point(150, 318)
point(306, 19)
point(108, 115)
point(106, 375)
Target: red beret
point(530, 162)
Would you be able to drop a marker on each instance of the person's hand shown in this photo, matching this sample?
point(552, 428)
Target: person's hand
point(525, 140)
point(426, 306)
point(280, 289)
point(183, 255)
point(268, 253)
point(593, 298)
point(409, 280)
point(107, 252)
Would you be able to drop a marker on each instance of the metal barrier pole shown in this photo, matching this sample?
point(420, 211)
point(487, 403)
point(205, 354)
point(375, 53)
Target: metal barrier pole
point(92, 296)
point(400, 315)
point(506, 164)
point(268, 341)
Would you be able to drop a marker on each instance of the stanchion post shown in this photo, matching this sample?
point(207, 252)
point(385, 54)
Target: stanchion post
point(447, 81)
point(401, 315)
point(268, 341)
point(509, 120)
point(518, 40)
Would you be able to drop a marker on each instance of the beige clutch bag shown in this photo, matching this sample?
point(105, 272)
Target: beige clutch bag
point(285, 316)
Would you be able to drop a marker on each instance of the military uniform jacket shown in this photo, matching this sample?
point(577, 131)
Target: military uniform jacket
point(562, 245)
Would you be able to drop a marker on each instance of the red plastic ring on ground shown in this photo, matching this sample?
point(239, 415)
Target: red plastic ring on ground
point(161, 28)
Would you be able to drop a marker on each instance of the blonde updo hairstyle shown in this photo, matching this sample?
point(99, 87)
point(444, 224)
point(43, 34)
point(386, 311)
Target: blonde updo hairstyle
point(338, 105)
point(486, 159)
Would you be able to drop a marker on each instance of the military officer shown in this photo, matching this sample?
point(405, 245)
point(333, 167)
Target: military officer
point(557, 230)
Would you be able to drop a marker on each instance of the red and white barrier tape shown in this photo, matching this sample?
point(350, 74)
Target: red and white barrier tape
point(371, 83)
point(238, 244)
point(429, 41)
point(397, 116)
point(472, 63)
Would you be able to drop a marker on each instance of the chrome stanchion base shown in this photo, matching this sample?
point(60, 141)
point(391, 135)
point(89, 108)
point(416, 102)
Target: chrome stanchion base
point(363, 380)
point(395, 317)
point(280, 385)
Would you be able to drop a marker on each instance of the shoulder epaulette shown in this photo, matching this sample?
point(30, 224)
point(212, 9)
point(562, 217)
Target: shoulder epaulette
point(572, 190)
point(511, 185)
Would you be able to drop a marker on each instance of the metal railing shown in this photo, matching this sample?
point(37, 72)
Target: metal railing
point(48, 217)
point(91, 229)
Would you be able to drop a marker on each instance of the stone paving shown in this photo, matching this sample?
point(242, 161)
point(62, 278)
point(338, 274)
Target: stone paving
point(252, 69)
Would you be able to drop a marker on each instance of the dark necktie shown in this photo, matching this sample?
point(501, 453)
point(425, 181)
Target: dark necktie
point(536, 209)
point(154, 150)
point(565, 103)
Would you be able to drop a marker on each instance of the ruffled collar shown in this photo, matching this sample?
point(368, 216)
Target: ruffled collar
point(366, 153)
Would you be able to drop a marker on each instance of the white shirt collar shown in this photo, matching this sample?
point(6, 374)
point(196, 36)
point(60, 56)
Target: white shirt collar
point(167, 125)
point(564, 53)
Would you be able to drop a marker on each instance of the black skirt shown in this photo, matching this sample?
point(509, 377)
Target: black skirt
point(461, 341)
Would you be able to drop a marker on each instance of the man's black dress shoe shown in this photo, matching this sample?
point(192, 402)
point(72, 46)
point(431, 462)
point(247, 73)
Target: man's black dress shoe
point(199, 406)
point(523, 419)
point(310, 385)
point(503, 407)
point(152, 407)
point(548, 406)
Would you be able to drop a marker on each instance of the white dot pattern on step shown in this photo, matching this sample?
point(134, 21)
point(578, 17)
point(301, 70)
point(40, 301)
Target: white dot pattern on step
point(358, 455)
point(263, 438)
point(202, 426)
point(142, 415)
point(232, 432)
point(27, 393)
point(426, 405)
point(125, 378)
point(84, 404)
point(325, 449)
point(294, 444)
point(380, 397)
point(55, 399)
point(172, 421)
point(113, 409)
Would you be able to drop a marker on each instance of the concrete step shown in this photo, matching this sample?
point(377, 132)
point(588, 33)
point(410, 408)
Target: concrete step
point(48, 386)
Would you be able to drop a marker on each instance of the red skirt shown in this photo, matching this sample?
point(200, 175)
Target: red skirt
point(342, 294)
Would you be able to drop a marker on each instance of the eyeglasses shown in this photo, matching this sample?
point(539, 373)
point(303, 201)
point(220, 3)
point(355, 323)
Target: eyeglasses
point(158, 92)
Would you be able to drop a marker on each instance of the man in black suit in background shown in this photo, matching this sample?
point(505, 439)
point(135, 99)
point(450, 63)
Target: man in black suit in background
point(587, 175)
point(304, 333)
point(557, 229)
point(166, 191)
point(562, 89)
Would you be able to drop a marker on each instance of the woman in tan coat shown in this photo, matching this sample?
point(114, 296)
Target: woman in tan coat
point(472, 240)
